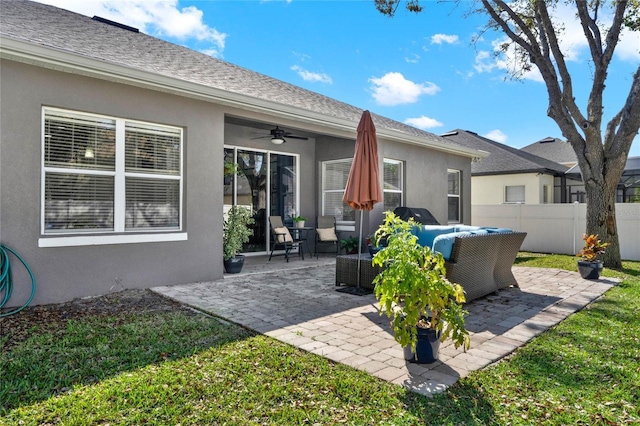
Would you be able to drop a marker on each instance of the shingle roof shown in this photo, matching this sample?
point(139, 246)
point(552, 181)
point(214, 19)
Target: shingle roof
point(552, 149)
point(69, 32)
point(503, 159)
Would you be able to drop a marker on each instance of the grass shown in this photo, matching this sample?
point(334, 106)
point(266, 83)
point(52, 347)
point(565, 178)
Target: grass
point(178, 367)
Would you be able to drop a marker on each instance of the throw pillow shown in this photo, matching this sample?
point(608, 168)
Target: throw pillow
point(283, 235)
point(327, 234)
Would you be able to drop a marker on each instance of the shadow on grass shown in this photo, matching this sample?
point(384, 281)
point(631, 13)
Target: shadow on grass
point(462, 404)
point(49, 352)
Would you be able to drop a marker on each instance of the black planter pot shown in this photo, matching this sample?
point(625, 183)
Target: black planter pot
point(234, 265)
point(427, 347)
point(590, 270)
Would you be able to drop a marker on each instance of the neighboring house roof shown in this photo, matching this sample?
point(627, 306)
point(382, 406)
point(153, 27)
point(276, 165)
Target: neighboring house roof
point(632, 165)
point(502, 159)
point(48, 36)
point(553, 149)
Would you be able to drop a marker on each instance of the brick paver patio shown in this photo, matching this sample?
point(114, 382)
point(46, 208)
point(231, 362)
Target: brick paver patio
point(300, 306)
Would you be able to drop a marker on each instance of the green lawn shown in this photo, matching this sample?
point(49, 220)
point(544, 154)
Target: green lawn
point(179, 367)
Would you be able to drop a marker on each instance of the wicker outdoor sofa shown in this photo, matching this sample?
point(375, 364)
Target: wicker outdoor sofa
point(479, 259)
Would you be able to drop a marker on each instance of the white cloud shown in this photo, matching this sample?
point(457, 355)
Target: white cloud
point(414, 59)
point(312, 76)
point(423, 122)
point(156, 17)
point(508, 61)
point(484, 62)
point(393, 89)
point(496, 135)
point(628, 48)
point(444, 38)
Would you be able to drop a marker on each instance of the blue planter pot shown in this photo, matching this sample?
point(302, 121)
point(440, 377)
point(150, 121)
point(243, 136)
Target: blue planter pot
point(427, 347)
point(234, 265)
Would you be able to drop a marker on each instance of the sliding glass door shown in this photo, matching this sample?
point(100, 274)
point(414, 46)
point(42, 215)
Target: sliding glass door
point(267, 184)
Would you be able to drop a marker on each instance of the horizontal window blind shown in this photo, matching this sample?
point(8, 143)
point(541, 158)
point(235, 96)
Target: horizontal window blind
point(86, 157)
point(514, 194)
point(152, 149)
point(392, 187)
point(392, 175)
point(336, 174)
point(152, 203)
point(334, 206)
point(79, 141)
point(79, 202)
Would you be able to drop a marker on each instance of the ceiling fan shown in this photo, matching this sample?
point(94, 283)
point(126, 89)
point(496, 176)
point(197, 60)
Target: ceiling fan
point(278, 136)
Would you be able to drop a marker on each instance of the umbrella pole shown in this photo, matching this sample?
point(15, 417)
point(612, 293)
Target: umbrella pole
point(359, 250)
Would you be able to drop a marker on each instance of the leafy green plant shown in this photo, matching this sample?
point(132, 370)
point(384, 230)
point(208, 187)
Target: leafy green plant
point(593, 247)
point(236, 231)
point(412, 288)
point(350, 244)
point(231, 169)
point(298, 219)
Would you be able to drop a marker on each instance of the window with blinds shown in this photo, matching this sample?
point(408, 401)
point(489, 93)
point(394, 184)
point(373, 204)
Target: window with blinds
point(453, 196)
point(514, 194)
point(104, 174)
point(393, 184)
point(335, 174)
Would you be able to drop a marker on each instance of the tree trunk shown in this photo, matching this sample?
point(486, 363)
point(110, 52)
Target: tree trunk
point(601, 219)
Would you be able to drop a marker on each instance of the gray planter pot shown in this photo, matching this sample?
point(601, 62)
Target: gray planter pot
point(590, 270)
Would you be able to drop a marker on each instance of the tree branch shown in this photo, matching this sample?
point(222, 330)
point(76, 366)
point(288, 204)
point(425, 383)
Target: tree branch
point(567, 85)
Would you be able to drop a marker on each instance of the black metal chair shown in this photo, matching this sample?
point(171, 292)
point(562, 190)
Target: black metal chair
point(281, 238)
point(326, 234)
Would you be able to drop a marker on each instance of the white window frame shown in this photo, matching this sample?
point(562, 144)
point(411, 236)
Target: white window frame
point(506, 197)
point(458, 195)
point(401, 180)
point(341, 225)
point(118, 235)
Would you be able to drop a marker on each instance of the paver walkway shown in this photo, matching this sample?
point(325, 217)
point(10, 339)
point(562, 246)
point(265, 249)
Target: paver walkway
point(300, 306)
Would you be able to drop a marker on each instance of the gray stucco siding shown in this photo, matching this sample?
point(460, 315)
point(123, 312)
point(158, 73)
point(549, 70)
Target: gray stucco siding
point(64, 273)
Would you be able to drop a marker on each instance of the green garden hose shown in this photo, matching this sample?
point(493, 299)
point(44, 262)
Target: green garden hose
point(6, 280)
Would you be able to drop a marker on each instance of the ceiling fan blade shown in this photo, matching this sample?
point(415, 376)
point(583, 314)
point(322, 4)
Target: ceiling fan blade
point(296, 137)
point(262, 137)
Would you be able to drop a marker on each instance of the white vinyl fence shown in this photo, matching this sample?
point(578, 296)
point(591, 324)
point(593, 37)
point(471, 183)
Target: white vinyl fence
point(558, 228)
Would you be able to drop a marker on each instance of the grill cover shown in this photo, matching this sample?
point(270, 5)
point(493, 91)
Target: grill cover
point(422, 216)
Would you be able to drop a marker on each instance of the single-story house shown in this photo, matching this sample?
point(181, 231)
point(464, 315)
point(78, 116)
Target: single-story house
point(553, 149)
point(510, 175)
point(113, 143)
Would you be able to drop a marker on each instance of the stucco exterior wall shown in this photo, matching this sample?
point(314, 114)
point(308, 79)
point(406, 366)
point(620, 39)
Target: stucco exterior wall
point(426, 179)
point(491, 189)
point(64, 273)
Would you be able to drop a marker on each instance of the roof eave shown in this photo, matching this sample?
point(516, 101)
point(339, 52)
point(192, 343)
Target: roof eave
point(60, 60)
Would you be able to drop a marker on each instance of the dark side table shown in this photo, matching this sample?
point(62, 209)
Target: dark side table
point(302, 234)
point(347, 270)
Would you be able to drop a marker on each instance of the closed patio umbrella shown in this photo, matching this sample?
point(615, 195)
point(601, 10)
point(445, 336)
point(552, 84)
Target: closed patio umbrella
point(363, 185)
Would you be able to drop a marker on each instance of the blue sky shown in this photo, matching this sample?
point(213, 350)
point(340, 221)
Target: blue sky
point(422, 69)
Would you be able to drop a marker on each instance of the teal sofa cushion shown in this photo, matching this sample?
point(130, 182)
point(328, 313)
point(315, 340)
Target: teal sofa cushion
point(462, 228)
point(426, 233)
point(443, 243)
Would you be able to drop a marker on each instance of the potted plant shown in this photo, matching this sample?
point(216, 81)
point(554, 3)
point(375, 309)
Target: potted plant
point(299, 221)
point(350, 245)
point(236, 232)
point(590, 266)
point(424, 306)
